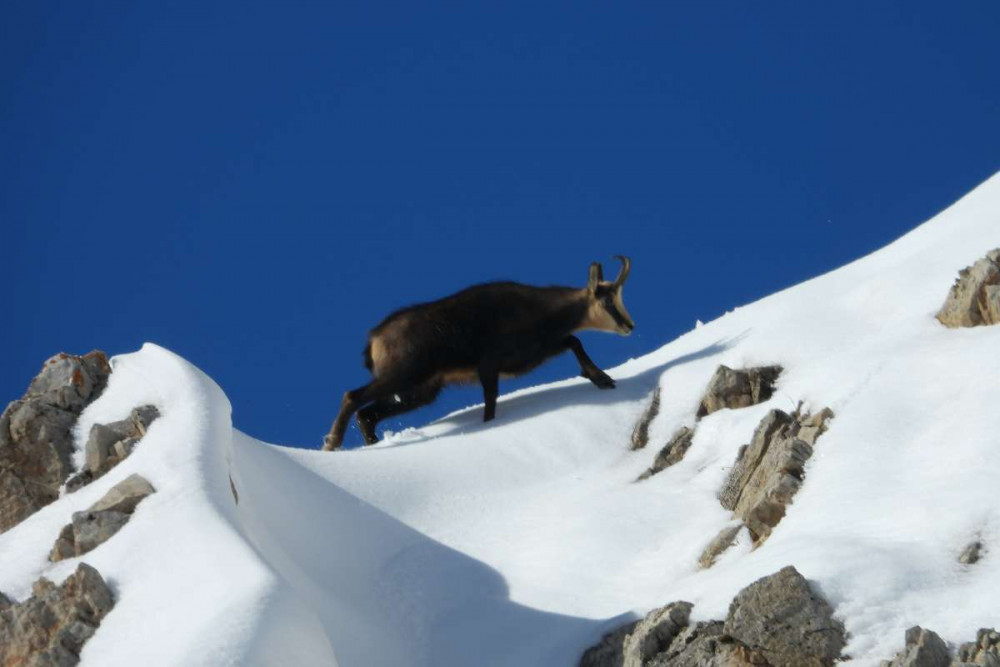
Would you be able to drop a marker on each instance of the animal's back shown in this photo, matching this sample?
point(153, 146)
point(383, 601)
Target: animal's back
point(453, 332)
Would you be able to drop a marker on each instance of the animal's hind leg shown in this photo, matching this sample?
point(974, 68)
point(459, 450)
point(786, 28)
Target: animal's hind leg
point(384, 408)
point(354, 399)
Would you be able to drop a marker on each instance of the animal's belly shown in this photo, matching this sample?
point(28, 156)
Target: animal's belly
point(468, 376)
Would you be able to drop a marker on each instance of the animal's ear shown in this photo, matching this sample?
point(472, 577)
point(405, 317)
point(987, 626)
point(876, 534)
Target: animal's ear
point(596, 276)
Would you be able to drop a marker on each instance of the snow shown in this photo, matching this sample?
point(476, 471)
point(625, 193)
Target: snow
point(523, 540)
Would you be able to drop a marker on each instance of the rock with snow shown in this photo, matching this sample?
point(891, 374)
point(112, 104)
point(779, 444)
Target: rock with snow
point(102, 520)
point(109, 444)
point(777, 620)
point(718, 545)
point(769, 471)
point(974, 299)
point(609, 652)
point(51, 627)
point(924, 648)
point(36, 440)
point(655, 633)
point(671, 453)
point(781, 617)
point(730, 388)
point(640, 433)
point(984, 651)
point(971, 554)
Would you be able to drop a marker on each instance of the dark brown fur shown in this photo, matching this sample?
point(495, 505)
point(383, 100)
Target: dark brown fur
point(480, 334)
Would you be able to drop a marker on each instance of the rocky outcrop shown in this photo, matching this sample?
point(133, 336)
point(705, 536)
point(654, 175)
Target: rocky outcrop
point(769, 471)
point(51, 627)
point(730, 388)
point(102, 520)
point(640, 434)
point(974, 299)
point(109, 444)
point(655, 633)
point(671, 453)
point(984, 651)
point(786, 622)
point(36, 433)
point(777, 621)
point(924, 648)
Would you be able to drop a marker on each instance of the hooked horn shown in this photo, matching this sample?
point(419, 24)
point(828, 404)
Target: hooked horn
point(623, 274)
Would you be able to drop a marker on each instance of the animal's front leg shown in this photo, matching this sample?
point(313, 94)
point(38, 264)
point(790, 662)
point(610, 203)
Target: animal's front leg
point(489, 377)
point(588, 368)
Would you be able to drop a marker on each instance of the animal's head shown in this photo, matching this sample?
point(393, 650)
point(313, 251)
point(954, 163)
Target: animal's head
point(607, 310)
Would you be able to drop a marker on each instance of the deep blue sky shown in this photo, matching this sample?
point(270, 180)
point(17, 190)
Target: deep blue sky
point(255, 185)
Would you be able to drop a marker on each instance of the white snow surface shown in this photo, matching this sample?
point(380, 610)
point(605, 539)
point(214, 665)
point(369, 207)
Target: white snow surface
point(522, 541)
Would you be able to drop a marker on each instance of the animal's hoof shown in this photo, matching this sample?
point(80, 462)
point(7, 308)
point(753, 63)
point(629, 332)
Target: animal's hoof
point(329, 445)
point(603, 382)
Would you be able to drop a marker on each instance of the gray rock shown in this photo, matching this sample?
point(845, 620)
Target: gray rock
point(609, 652)
point(971, 554)
point(974, 299)
point(769, 471)
point(780, 617)
point(706, 645)
point(102, 520)
point(99, 443)
point(640, 434)
point(655, 633)
point(92, 529)
point(125, 495)
point(109, 444)
point(777, 621)
point(718, 545)
point(671, 453)
point(50, 628)
point(984, 651)
point(924, 648)
point(730, 388)
point(36, 440)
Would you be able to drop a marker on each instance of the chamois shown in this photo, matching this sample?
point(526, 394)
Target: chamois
point(482, 333)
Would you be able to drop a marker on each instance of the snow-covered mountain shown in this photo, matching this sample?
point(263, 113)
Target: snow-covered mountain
point(522, 541)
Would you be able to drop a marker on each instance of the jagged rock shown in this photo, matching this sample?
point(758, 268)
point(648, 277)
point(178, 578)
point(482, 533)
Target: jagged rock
point(730, 388)
point(109, 444)
point(718, 545)
point(974, 299)
point(654, 633)
point(971, 554)
point(51, 627)
point(790, 626)
point(984, 651)
point(924, 648)
point(640, 434)
point(36, 440)
point(769, 471)
point(706, 645)
point(671, 453)
point(777, 621)
point(102, 520)
point(609, 652)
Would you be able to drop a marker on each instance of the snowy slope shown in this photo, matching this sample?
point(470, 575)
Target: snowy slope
point(522, 541)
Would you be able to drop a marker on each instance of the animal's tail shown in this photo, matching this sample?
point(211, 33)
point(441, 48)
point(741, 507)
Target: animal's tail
point(369, 364)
